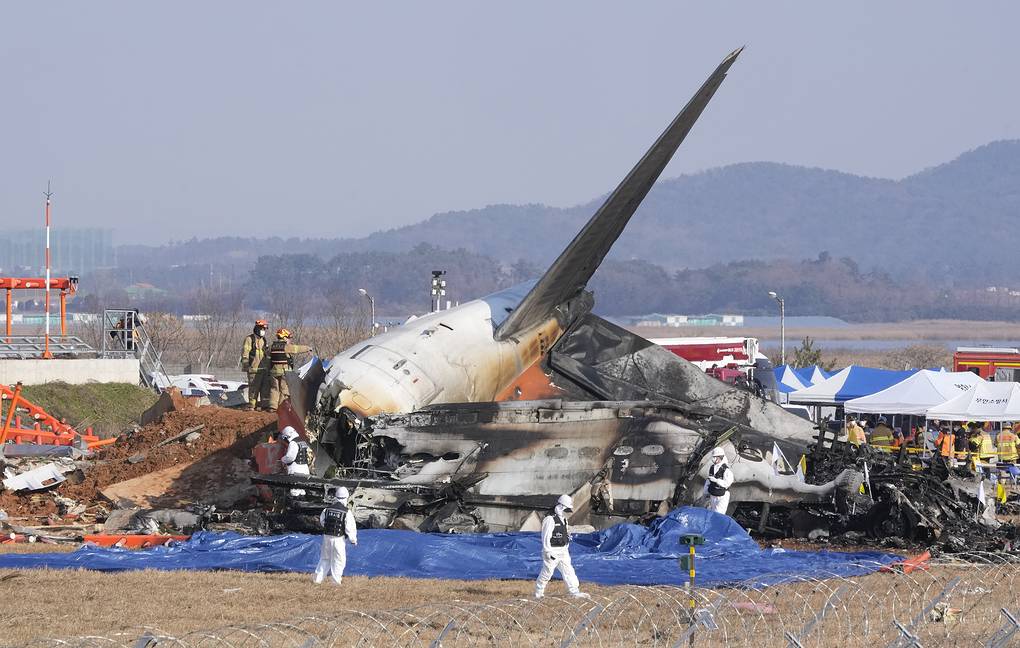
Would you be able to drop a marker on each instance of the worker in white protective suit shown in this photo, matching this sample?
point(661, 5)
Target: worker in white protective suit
point(338, 526)
point(298, 458)
point(555, 553)
point(717, 486)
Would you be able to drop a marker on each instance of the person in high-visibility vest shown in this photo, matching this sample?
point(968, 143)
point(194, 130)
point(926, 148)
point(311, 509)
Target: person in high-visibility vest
point(280, 361)
point(986, 447)
point(897, 439)
point(855, 433)
point(973, 438)
point(945, 442)
point(882, 435)
point(960, 445)
point(252, 352)
point(1007, 444)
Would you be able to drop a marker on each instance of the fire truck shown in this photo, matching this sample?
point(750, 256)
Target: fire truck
point(1001, 364)
point(715, 352)
point(734, 360)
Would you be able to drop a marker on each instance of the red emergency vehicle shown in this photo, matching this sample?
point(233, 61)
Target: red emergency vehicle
point(991, 363)
point(715, 352)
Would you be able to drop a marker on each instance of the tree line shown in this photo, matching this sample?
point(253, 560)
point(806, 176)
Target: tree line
point(299, 287)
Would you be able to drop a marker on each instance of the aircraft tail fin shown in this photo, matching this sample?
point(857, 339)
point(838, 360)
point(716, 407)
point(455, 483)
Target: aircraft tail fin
point(570, 273)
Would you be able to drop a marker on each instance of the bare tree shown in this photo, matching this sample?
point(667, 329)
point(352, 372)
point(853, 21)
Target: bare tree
point(220, 323)
point(342, 327)
point(166, 332)
point(89, 330)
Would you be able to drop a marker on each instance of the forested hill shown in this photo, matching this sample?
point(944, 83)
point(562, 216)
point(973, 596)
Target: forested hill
point(951, 223)
point(948, 220)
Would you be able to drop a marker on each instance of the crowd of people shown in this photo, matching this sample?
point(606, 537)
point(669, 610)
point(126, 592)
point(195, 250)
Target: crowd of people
point(958, 442)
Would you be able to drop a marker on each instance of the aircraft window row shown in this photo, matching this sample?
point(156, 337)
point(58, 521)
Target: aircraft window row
point(651, 450)
point(557, 453)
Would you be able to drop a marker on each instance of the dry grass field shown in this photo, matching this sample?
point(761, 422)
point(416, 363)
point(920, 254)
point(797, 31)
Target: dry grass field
point(277, 610)
point(55, 603)
point(909, 330)
point(923, 342)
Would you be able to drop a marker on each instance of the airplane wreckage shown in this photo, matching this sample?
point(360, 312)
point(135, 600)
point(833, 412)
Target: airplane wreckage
point(477, 417)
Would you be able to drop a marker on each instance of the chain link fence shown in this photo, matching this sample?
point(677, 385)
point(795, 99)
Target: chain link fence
point(970, 600)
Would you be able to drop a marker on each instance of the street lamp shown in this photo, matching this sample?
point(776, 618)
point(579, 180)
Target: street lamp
point(782, 324)
point(438, 290)
point(371, 301)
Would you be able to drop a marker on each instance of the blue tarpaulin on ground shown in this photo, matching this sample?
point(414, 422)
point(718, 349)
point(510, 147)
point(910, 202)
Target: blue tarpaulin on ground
point(625, 553)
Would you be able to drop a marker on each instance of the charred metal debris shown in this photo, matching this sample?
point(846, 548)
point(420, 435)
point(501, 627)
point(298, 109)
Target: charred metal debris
point(904, 503)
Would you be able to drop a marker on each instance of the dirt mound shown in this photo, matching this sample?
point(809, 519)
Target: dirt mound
point(236, 432)
point(35, 505)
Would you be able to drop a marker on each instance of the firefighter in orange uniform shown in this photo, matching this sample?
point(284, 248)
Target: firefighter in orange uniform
point(1007, 444)
point(281, 358)
point(945, 442)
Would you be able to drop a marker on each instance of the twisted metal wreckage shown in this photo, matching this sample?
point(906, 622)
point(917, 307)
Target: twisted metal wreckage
point(478, 416)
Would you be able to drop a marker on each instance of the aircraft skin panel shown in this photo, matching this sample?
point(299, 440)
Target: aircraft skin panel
point(542, 448)
point(569, 274)
point(452, 350)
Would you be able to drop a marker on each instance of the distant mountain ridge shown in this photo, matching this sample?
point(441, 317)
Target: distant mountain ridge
point(933, 221)
point(953, 222)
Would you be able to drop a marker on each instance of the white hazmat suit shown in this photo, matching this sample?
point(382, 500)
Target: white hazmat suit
point(557, 556)
point(294, 460)
point(333, 554)
point(720, 478)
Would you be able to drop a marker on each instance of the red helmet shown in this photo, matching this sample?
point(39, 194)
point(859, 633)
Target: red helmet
point(261, 322)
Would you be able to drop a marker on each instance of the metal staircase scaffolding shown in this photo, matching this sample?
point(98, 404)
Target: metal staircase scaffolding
point(45, 429)
point(23, 347)
point(124, 336)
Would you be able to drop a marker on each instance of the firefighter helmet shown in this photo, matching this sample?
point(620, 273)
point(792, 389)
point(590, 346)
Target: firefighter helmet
point(283, 334)
point(261, 322)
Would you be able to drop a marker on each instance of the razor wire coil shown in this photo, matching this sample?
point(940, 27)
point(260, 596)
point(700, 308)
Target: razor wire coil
point(864, 613)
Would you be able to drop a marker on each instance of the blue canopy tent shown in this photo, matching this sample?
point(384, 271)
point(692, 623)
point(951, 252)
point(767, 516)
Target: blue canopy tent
point(787, 379)
point(812, 375)
point(852, 382)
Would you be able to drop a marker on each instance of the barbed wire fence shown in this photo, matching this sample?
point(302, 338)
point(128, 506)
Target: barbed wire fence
point(963, 600)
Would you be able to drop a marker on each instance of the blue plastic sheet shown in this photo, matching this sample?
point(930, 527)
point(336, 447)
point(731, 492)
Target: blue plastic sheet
point(625, 553)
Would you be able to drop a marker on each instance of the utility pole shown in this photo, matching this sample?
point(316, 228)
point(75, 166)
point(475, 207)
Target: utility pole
point(371, 301)
point(46, 344)
point(782, 324)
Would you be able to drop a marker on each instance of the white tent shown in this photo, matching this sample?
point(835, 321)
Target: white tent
point(817, 375)
point(917, 394)
point(987, 401)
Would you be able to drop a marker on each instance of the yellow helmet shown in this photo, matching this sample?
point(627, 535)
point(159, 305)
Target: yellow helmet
point(283, 334)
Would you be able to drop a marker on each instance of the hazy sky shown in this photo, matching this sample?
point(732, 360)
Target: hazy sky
point(337, 119)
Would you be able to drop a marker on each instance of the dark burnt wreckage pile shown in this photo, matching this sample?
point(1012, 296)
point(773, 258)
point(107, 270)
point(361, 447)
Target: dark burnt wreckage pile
point(625, 429)
point(893, 500)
